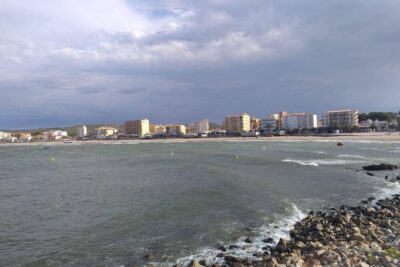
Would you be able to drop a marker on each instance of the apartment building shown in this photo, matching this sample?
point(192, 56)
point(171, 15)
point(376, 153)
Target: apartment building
point(299, 121)
point(174, 130)
point(5, 135)
point(202, 126)
point(82, 131)
point(157, 128)
point(237, 123)
point(341, 118)
point(255, 124)
point(137, 127)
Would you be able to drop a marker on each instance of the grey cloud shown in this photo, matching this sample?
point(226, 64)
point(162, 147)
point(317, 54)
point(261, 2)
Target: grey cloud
point(196, 59)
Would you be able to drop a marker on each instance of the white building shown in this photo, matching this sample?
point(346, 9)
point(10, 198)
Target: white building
point(202, 126)
point(299, 121)
point(366, 123)
point(58, 135)
point(341, 118)
point(174, 130)
point(5, 135)
point(381, 125)
point(137, 127)
point(82, 131)
point(271, 122)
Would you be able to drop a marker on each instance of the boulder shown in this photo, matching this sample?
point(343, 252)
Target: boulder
point(380, 167)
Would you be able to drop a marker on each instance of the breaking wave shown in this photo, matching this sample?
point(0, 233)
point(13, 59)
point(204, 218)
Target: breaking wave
point(318, 162)
point(280, 228)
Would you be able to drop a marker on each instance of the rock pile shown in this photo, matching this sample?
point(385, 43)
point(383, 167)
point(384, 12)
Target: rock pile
point(380, 167)
point(367, 235)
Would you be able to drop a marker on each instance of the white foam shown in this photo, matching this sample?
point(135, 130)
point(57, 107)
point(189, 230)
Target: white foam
point(351, 156)
point(276, 230)
point(318, 162)
point(388, 191)
point(302, 162)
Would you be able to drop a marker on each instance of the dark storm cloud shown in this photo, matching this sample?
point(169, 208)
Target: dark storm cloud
point(68, 63)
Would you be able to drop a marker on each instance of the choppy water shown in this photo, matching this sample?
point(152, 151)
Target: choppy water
point(111, 204)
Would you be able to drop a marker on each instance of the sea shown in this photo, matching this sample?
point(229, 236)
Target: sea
point(128, 204)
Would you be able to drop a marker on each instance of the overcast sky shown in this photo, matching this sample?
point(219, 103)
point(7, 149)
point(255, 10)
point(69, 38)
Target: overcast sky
point(66, 62)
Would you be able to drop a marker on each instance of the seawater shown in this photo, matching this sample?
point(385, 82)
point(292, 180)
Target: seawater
point(112, 204)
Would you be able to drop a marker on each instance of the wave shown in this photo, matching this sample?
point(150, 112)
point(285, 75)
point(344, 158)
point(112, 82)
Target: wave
point(389, 190)
point(318, 162)
point(302, 162)
point(351, 156)
point(276, 230)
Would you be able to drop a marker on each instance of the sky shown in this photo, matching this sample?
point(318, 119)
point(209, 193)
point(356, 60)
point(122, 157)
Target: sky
point(68, 62)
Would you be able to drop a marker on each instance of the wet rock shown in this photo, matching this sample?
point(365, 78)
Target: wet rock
point(222, 248)
point(380, 167)
point(248, 240)
point(269, 240)
point(370, 174)
point(234, 247)
point(149, 257)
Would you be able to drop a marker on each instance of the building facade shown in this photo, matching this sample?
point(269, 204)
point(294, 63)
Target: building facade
point(299, 121)
point(175, 130)
point(81, 131)
point(202, 126)
point(255, 124)
point(237, 123)
point(341, 118)
point(5, 135)
point(104, 132)
point(137, 127)
point(157, 128)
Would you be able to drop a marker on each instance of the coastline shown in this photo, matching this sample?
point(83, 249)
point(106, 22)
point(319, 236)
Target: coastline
point(355, 137)
point(367, 234)
point(364, 235)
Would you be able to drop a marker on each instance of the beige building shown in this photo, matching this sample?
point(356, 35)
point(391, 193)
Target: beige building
point(105, 132)
point(255, 124)
point(137, 127)
point(179, 129)
point(157, 128)
point(237, 123)
point(341, 118)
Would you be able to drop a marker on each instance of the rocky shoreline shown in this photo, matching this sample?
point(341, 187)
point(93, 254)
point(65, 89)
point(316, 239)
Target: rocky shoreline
point(365, 235)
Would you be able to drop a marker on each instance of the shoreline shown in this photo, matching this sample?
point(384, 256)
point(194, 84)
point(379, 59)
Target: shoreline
point(357, 137)
point(367, 234)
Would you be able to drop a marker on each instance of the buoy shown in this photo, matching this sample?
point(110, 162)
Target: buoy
point(237, 157)
point(53, 159)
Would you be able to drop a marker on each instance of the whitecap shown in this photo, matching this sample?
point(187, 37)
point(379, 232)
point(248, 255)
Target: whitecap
point(318, 162)
point(351, 156)
point(276, 230)
point(302, 162)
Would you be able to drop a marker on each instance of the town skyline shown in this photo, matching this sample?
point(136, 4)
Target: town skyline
point(170, 122)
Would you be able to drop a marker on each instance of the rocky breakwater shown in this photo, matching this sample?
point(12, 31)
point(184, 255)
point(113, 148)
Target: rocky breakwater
point(365, 235)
